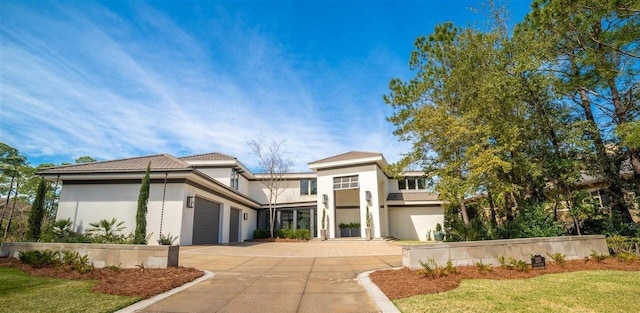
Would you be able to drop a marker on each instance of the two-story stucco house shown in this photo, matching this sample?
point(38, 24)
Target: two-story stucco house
point(213, 198)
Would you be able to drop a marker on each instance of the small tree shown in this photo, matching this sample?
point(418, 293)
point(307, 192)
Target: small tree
point(272, 160)
point(37, 212)
point(140, 236)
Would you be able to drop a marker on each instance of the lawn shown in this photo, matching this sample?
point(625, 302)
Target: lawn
point(586, 291)
point(20, 292)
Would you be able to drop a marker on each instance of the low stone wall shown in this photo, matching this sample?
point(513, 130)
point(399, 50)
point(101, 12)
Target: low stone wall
point(488, 251)
point(101, 255)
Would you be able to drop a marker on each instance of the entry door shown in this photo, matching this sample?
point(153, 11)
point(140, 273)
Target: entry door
point(234, 225)
point(206, 221)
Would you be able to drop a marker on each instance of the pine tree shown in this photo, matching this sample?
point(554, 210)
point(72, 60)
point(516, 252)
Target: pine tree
point(141, 214)
point(37, 212)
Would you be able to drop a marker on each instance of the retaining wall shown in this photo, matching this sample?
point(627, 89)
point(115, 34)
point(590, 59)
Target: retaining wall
point(101, 255)
point(488, 251)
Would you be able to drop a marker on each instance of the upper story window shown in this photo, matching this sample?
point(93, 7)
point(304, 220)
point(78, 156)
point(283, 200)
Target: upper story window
point(234, 180)
point(308, 187)
point(601, 198)
point(412, 183)
point(347, 182)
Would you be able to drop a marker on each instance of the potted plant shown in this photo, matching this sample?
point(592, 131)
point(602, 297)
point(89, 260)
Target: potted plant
point(368, 231)
point(438, 235)
point(345, 230)
point(355, 229)
point(323, 230)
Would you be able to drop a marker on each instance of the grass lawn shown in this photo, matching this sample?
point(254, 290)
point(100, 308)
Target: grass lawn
point(586, 291)
point(20, 292)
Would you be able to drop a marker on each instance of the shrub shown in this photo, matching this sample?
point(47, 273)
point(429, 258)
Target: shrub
point(619, 244)
point(595, 256)
point(483, 267)
point(300, 234)
point(431, 269)
point(166, 240)
point(627, 256)
point(354, 225)
point(260, 234)
point(513, 264)
point(37, 258)
point(558, 258)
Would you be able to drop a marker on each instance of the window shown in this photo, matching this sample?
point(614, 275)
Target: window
point(308, 187)
point(347, 182)
point(412, 183)
point(234, 179)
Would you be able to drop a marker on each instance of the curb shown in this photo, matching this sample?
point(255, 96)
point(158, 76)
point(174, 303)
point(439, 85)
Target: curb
point(147, 302)
point(382, 302)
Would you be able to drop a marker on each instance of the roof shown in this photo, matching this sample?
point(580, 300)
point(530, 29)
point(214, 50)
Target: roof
point(413, 196)
point(214, 156)
point(351, 155)
point(158, 162)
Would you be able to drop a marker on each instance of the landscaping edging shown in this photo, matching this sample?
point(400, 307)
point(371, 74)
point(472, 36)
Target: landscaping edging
point(488, 251)
point(101, 255)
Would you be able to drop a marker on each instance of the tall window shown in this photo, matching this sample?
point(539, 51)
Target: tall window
point(412, 183)
point(308, 187)
point(347, 182)
point(235, 176)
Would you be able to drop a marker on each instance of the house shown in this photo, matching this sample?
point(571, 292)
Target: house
point(214, 199)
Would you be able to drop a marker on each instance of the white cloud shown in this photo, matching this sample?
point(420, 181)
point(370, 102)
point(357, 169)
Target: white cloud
point(91, 82)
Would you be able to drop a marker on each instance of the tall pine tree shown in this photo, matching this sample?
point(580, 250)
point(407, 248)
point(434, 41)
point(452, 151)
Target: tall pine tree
point(141, 214)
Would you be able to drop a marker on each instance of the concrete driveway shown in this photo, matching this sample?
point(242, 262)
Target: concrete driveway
point(282, 277)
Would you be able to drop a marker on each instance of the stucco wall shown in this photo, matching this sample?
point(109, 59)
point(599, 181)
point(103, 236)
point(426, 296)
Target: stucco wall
point(412, 223)
point(488, 251)
point(89, 203)
point(290, 193)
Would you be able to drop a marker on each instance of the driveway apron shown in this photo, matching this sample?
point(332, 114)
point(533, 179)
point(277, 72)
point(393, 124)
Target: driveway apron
point(282, 277)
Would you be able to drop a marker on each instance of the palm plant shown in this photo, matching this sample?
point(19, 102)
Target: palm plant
point(106, 228)
point(61, 228)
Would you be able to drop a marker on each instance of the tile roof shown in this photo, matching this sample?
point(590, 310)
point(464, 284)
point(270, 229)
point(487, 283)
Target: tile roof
point(158, 162)
point(413, 196)
point(215, 156)
point(351, 155)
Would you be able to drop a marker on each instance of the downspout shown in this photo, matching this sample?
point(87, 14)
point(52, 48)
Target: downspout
point(164, 193)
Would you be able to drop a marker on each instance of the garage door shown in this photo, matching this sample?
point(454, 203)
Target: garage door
point(206, 220)
point(234, 223)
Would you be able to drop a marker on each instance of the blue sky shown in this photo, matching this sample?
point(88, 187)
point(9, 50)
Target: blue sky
point(119, 79)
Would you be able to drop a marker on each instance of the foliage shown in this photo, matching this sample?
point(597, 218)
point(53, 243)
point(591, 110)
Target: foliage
point(106, 228)
point(274, 163)
point(621, 244)
point(433, 270)
point(595, 256)
point(23, 293)
point(532, 220)
point(49, 258)
point(438, 227)
point(166, 240)
point(140, 235)
point(558, 258)
point(483, 267)
point(324, 219)
point(368, 217)
point(260, 234)
point(513, 264)
point(85, 159)
point(300, 234)
point(37, 212)
point(628, 257)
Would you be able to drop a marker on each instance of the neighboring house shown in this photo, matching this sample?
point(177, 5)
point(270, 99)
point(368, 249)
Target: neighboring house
point(213, 198)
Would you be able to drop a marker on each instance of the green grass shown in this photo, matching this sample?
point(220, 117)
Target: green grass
point(587, 291)
point(20, 292)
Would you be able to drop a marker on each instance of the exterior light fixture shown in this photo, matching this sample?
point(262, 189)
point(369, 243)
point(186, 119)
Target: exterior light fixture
point(325, 199)
point(191, 201)
point(367, 195)
point(245, 216)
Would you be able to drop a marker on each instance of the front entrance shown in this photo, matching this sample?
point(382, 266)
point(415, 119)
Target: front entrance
point(288, 218)
point(234, 225)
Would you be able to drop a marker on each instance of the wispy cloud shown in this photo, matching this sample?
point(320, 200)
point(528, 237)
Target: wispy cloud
point(88, 81)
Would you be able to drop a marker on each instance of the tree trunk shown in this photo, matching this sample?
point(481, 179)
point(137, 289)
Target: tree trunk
point(13, 206)
point(465, 214)
point(6, 204)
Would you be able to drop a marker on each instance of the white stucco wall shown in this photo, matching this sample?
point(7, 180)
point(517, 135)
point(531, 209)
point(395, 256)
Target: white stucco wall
point(89, 203)
point(412, 223)
point(290, 193)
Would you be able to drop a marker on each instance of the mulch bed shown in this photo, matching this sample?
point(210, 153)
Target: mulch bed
point(404, 282)
point(143, 283)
